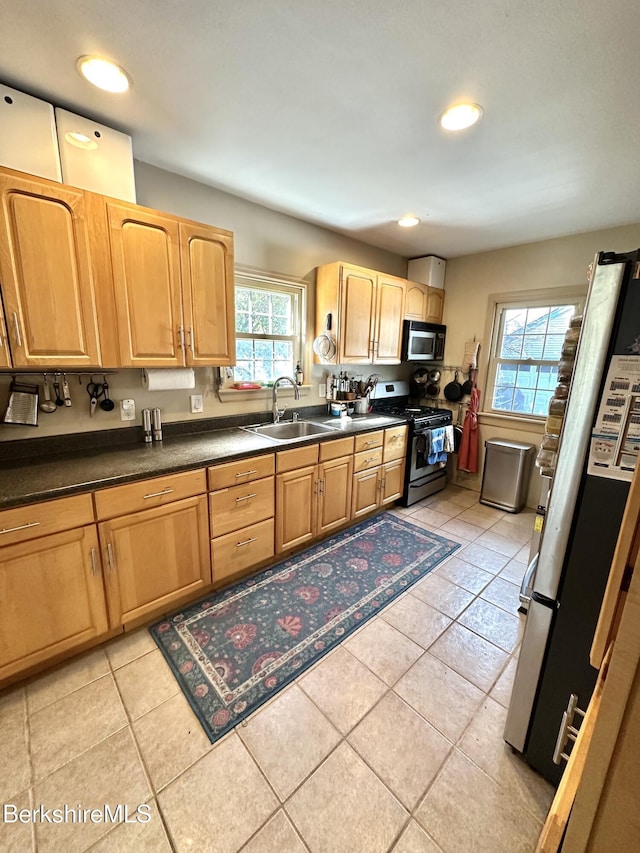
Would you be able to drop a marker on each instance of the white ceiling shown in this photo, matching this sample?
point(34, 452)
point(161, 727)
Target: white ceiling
point(328, 110)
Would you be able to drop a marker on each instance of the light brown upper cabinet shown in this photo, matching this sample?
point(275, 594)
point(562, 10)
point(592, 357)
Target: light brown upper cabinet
point(415, 307)
point(46, 275)
point(423, 302)
point(208, 297)
point(366, 308)
point(172, 288)
point(435, 304)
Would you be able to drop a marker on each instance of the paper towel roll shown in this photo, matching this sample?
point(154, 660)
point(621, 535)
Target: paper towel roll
point(172, 379)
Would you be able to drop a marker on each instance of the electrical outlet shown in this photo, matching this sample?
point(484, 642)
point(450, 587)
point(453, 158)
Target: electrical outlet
point(322, 389)
point(127, 410)
point(197, 404)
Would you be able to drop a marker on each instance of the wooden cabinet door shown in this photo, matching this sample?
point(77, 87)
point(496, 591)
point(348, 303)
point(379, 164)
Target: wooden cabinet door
point(45, 274)
point(155, 557)
point(358, 305)
point(366, 491)
point(145, 260)
point(415, 306)
point(295, 507)
point(334, 493)
point(51, 597)
point(392, 482)
point(435, 304)
point(206, 257)
point(389, 316)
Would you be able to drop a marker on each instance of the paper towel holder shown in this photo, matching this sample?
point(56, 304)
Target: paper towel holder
point(168, 379)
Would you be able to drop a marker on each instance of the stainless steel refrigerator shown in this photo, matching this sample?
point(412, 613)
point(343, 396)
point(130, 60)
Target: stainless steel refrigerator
point(596, 457)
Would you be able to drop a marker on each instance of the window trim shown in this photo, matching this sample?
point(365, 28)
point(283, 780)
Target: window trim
point(260, 279)
point(496, 302)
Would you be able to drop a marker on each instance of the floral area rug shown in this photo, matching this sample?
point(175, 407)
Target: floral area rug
point(235, 649)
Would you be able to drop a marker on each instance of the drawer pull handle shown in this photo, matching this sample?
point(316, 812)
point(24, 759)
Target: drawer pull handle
point(110, 559)
point(373, 441)
point(246, 497)
point(94, 562)
point(370, 459)
point(246, 473)
point(246, 541)
point(21, 527)
point(158, 494)
point(17, 328)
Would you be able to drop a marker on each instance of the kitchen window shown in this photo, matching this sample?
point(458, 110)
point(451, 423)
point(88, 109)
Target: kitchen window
point(269, 324)
point(526, 343)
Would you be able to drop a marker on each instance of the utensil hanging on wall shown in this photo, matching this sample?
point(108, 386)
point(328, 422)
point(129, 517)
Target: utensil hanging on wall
point(66, 394)
point(46, 405)
point(22, 407)
point(56, 388)
point(324, 346)
point(453, 390)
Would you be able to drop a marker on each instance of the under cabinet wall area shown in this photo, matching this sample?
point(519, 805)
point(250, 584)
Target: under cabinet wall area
point(126, 286)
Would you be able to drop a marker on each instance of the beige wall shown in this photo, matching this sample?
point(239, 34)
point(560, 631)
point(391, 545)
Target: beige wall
point(471, 279)
point(264, 239)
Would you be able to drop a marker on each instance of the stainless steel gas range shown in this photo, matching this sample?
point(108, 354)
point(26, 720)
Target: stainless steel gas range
point(420, 478)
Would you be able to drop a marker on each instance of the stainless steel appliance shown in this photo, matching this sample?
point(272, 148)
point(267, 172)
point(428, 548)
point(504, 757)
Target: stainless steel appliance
point(598, 446)
point(420, 478)
point(423, 341)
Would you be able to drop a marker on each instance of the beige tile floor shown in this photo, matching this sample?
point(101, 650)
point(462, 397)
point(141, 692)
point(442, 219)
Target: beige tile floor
point(392, 742)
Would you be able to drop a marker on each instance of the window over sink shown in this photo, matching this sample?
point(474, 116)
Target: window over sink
point(269, 327)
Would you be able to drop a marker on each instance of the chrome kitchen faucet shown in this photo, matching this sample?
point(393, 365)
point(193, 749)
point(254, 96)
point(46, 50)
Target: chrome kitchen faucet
point(278, 413)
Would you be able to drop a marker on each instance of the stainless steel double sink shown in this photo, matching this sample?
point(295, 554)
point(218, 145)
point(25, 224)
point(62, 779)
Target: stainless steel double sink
point(295, 430)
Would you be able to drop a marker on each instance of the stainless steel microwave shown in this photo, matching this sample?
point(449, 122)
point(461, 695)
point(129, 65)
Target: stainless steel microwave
point(423, 341)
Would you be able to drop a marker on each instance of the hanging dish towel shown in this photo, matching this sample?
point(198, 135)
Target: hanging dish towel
point(470, 358)
point(436, 446)
point(449, 439)
point(468, 453)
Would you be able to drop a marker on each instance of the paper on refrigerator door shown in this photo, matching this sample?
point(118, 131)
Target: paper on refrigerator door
point(615, 439)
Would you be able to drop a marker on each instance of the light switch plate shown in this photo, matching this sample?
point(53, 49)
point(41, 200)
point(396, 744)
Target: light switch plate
point(197, 404)
point(127, 410)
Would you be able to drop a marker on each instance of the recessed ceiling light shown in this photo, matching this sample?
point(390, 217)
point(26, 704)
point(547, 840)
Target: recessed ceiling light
point(460, 116)
point(103, 73)
point(80, 140)
point(408, 221)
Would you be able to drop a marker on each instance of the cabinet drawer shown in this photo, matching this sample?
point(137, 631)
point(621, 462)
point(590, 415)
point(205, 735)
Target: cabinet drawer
point(146, 494)
point(335, 449)
point(367, 459)
point(238, 551)
point(241, 471)
point(239, 506)
point(299, 457)
point(395, 443)
point(368, 440)
point(28, 522)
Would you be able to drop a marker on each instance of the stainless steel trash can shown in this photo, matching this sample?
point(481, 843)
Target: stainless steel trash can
point(507, 465)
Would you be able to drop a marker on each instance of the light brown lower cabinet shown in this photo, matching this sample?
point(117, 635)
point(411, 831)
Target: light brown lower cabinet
point(311, 501)
point(376, 487)
point(155, 557)
point(242, 549)
point(51, 597)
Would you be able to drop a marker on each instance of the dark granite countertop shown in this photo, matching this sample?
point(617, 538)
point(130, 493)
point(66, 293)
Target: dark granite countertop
point(46, 476)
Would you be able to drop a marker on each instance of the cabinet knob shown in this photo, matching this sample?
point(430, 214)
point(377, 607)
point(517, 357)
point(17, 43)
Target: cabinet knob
point(567, 730)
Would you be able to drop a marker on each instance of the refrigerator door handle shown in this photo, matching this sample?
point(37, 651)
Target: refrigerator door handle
point(527, 582)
